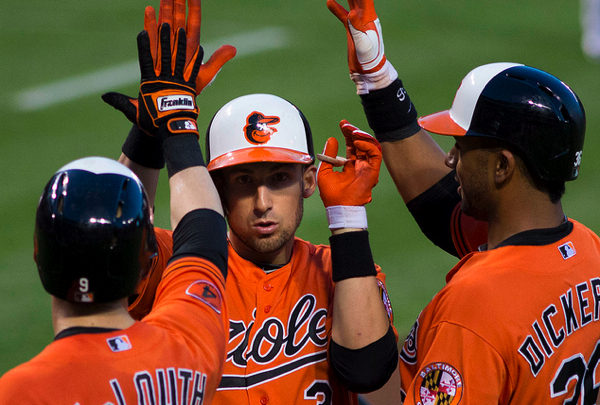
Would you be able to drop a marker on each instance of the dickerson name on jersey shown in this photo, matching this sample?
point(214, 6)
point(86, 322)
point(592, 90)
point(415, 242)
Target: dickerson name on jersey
point(177, 102)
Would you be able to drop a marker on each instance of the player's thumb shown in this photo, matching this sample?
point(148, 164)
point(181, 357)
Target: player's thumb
point(122, 103)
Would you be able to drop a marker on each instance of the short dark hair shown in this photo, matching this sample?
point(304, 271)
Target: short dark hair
point(554, 189)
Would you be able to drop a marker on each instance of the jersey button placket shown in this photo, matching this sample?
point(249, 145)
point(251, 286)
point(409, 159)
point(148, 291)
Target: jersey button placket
point(264, 400)
point(268, 288)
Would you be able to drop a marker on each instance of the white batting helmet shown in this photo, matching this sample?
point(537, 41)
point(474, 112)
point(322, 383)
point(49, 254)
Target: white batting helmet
point(258, 128)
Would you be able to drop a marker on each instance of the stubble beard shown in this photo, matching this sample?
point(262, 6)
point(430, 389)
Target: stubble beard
point(271, 243)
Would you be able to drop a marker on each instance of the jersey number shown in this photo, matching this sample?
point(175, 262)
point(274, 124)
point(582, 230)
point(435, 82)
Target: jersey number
point(575, 368)
point(320, 391)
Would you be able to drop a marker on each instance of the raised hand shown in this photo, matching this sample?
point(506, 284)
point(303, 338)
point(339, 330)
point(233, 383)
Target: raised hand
point(369, 68)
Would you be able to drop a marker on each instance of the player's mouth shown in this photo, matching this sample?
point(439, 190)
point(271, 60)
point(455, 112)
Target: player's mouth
point(265, 227)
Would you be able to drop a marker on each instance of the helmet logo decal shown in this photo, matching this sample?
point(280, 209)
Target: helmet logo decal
point(258, 127)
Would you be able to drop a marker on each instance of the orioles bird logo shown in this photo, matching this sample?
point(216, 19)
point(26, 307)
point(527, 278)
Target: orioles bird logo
point(257, 128)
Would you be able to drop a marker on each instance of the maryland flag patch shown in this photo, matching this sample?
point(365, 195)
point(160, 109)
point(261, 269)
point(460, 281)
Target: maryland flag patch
point(438, 384)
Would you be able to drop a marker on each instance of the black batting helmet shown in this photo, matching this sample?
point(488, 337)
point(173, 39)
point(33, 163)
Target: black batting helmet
point(524, 107)
point(93, 232)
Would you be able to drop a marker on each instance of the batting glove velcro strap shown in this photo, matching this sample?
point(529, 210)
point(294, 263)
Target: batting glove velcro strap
point(390, 113)
point(345, 216)
point(351, 256)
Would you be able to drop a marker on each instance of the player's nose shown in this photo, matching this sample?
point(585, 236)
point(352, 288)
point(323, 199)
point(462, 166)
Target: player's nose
point(263, 199)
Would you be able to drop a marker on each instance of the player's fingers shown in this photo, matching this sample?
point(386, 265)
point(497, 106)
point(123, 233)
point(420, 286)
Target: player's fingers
point(336, 8)
point(358, 134)
point(330, 150)
point(194, 18)
point(369, 152)
point(179, 8)
point(336, 162)
point(193, 27)
point(347, 132)
point(165, 12)
point(151, 27)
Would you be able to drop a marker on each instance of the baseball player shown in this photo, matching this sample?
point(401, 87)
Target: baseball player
point(94, 240)
point(307, 324)
point(517, 321)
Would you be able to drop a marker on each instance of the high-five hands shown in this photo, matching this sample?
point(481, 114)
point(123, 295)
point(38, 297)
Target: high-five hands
point(345, 193)
point(369, 68)
point(168, 97)
point(173, 12)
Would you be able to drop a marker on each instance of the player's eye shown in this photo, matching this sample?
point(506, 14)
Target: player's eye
point(281, 176)
point(243, 179)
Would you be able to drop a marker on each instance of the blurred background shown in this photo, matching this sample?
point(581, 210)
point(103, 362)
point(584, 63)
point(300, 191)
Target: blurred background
point(57, 58)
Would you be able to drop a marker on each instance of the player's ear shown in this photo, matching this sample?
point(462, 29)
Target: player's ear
point(504, 166)
point(309, 180)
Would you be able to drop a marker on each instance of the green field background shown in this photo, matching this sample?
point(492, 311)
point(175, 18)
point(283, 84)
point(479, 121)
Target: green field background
point(432, 44)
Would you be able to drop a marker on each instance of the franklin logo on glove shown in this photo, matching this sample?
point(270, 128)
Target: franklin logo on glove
point(177, 102)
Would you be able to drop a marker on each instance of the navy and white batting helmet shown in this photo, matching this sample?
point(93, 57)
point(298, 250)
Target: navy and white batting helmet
point(258, 128)
point(524, 107)
point(94, 237)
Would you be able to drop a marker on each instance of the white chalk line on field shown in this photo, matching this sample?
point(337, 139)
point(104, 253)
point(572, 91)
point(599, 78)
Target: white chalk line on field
point(76, 87)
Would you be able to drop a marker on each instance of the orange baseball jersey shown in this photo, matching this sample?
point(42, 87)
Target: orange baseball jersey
point(518, 324)
point(175, 355)
point(279, 329)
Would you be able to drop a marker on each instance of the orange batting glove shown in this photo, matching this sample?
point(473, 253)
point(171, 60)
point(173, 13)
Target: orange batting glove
point(369, 68)
point(345, 193)
point(173, 12)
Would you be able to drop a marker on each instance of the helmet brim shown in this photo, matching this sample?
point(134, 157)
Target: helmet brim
point(441, 123)
point(259, 154)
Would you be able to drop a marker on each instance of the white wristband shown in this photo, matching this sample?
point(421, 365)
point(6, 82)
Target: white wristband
point(345, 216)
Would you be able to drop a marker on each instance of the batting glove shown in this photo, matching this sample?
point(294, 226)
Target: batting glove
point(369, 68)
point(166, 103)
point(173, 12)
point(345, 193)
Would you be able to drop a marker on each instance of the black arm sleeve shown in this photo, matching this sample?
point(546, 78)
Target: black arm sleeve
point(433, 209)
point(367, 369)
point(202, 233)
point(351, 256)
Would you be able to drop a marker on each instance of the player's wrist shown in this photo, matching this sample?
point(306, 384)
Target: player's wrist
point(181, 152)
point(143, 149)
point(351, 256)
point(346, 216)
point(368, 82)
point(390, 112)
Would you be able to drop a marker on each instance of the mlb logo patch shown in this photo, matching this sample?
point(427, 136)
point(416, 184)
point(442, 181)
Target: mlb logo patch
point(119, 343)
point(567, 250)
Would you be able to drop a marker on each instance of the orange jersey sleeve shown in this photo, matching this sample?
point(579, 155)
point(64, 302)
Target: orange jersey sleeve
point(141, 306)
point(176, 354)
